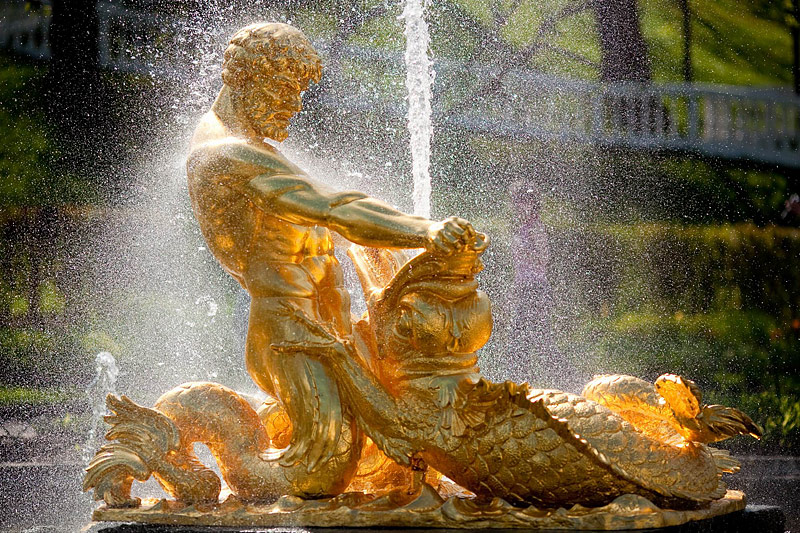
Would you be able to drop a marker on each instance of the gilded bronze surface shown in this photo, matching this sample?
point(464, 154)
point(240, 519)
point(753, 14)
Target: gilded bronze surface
point(385, 420)
point(626, 512)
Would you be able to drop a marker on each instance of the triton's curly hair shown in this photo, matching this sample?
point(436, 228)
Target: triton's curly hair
point(267, 49)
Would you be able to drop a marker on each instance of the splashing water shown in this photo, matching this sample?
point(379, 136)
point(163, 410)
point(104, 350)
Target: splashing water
point(103, 384)
point(419, 81)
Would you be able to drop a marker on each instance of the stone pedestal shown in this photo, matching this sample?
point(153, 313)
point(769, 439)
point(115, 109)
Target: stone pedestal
point(755, 518)
point(629, 512)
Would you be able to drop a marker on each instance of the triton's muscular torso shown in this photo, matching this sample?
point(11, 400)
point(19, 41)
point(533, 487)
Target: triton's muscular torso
point(269, 255)
point(263, 220)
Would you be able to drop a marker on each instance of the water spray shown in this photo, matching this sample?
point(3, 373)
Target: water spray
point(103, 384)
point(419, 83)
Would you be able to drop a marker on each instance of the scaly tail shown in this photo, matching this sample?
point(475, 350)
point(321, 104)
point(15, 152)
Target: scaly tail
point(143, 429)
point(671, 410)
point(702, 423)
point(724, 422)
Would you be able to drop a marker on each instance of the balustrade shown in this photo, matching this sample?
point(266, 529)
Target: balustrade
point(734, 122)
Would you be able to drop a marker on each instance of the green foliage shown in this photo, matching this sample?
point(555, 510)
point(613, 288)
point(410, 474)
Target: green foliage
point(788, 424)
point(32, 396)
point(24, 150)
point(29, 149)
point(670, 268)
point(96, 340)
point(34, 356)
point(778, 414)
point(713, 191)
point(710, 268)
point(631, 187)
point(733, 42)
point(731, 351)
point(51, 300)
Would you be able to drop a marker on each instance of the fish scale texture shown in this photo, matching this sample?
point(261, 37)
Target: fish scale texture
point(549, 447)
point(649, 463)
point(525, 456)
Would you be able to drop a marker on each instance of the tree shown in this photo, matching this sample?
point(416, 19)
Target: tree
point(74, 77)
point(624, 52)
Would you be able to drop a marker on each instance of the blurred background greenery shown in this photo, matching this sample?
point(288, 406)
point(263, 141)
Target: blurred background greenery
point(660, 261)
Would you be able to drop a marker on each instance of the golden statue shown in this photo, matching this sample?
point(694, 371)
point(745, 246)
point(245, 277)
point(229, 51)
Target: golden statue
point(387, 421)
point(268, 225)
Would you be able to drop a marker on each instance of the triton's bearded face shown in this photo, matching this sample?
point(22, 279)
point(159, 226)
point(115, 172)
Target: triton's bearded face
point(269, 103)
point(268, 66)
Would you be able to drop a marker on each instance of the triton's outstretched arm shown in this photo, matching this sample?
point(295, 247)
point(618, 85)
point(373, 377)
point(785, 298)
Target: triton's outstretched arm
point(356, 216)
point(281, 189)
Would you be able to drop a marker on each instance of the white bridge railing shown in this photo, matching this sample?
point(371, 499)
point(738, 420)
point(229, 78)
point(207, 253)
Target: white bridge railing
point(732, 122)
point(761, 125)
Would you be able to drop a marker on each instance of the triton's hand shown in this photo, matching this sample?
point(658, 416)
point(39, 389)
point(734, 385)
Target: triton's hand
point(454, 234)
point(318, 349)
point(319, 341)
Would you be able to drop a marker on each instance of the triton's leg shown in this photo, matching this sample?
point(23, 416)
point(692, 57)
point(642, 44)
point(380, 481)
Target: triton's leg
point(389, 424)
point(321, 431)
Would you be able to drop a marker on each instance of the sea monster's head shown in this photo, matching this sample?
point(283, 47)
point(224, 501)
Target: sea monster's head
point(429, 318)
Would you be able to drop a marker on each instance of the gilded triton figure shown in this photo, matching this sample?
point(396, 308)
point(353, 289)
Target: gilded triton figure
point(268, 223)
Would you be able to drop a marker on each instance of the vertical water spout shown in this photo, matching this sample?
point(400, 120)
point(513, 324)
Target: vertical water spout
point(103, 384)
point(419, 81)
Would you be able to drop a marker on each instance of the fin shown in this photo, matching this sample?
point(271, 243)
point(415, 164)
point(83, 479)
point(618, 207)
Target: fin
point(142, 435)
point(111, 457)
point(698, 422)
point(145, 430)
point(682, 395)
point(724, 461)
point(723, 422)
point(111, 473)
